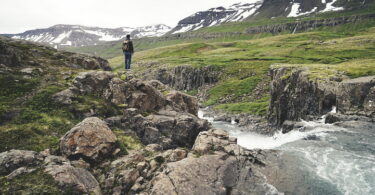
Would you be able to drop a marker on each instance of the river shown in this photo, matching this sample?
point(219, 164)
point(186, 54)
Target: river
point(328, 159)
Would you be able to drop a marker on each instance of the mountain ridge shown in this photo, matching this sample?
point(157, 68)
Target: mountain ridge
point(262, 9)
point(79, 35)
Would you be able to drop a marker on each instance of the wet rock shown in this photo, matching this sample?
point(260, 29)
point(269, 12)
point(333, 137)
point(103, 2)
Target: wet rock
point(369, 103)
point(294, 96)
point(336, 117)
point(356, 96)
point(91, 139)
point(14, 159)
point(290, 125)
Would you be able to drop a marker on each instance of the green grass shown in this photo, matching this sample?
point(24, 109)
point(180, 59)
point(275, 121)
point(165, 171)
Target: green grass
point(36, 182)
point(258, 107)
point(244, 64)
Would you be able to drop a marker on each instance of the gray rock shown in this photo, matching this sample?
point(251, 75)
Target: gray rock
point(116, 91)
point(20, 171)
point(66, 96)
point(91, 139)
point(14, 159)
point(93, 83)
point(218, 173)
point(356, 96)
point(184, 102)
point(69, 177)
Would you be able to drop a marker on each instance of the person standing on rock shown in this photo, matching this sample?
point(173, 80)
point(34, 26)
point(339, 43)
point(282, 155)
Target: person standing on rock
point(127, 48)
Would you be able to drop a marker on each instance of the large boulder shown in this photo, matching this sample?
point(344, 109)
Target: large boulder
point(91, 139)
point(71, 179)
point(93, 83)
point(66, 96)
point(14, 159)
point(90, 62)
point(184, 102)
point(117, 91)
point(145, 97)
point(182, 129)
point(217, 165)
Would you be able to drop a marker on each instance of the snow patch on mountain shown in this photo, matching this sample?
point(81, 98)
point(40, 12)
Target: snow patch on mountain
point(75, 35)
point(215, 16)
point(295, 10)
point(330, 7)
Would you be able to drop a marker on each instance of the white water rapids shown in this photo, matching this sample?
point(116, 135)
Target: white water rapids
point(341, 160)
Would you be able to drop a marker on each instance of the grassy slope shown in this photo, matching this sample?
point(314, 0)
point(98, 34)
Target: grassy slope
point(245, 63)
point(113, 49)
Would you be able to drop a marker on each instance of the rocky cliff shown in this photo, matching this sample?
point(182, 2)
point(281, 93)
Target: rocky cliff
point(295, 96)
point(184, 77)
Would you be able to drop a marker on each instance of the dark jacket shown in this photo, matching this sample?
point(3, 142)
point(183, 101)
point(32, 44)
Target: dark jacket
point(129, 47)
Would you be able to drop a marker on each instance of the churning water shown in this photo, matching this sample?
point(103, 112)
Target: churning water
point(342, 157)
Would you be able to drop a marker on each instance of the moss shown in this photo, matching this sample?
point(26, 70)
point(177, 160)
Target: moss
point(233, 88)
point(128, 141)
point(258, 107)
point(36, 182)
point(102, 108)
point(193, 92)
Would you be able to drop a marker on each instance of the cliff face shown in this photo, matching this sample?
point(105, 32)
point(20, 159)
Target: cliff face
point(185, 77)
point(295, 96)
point(302, 26)
point(293, 27)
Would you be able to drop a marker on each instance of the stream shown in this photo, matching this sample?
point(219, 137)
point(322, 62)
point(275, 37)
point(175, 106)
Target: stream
point(322, 159)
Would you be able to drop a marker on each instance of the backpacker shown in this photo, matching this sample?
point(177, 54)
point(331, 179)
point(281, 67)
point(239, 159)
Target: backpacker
point(125, 46)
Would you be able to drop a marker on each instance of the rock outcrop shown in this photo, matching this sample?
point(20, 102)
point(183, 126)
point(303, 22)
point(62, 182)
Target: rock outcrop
point(14, 159)
point(168, 128)
point(91, 139)
point(295, 96)
point(223, 168)
point(357, 96)
point(184, 77)
point(70, 178)
point(14, 53)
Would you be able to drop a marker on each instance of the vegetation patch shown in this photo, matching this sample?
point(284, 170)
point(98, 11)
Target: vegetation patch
point(36, 182)
point(258, 107)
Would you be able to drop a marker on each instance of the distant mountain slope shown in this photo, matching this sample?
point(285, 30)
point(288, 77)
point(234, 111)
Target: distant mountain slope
point(263, 9)
point(76, 35)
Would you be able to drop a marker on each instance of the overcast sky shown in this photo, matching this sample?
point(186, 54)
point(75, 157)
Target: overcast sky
point(20, 15)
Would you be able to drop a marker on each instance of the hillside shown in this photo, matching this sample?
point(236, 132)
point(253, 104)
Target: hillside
point(242, 66)
point(243, 30)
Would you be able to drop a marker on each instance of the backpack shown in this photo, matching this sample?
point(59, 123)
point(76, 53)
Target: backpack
point(125, 46)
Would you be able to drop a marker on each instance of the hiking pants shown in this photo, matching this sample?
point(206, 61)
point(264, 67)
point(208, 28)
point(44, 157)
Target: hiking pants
point(128, 59)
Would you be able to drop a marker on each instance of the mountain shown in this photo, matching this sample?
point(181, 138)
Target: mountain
point(76, 35)
point(263, 9)
point(215, 16)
